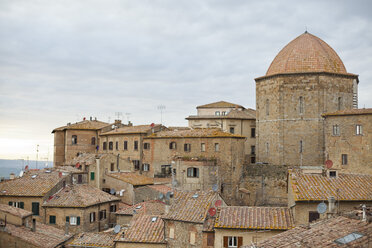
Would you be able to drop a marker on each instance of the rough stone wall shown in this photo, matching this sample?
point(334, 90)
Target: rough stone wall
point(358, 148)
point(28, 200)
point(230, 158)
point(9, 241)
point(59, 148)
point(287, 123)
point(113, 183)
point(182, 234)
point(263, 185)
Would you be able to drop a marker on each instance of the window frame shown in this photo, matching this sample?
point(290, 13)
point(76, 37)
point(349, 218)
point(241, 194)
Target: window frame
point(92, 217)
point(187, 147)
point(73, 220)
point(125, 145)
point(358, 129)
point(33, 205)
point(336, 130)
point(193, 172)
point(104, 146)
point(232, 130)
point(111, 146)
point(146, 167)
point(52, 217)
point(344, 159)
point(93, 141)
point(217, 113)
point(202, 147)
point(146, 146)
point(74, 140)
point(232, 241)
point(173, 145)
point(253, 132)
point(216, 147)
point(135, 145)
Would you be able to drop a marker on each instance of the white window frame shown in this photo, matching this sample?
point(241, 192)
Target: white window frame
point(232, 241)
point(146, 167)
point(202, 147)
point(73, 220)
point(216, 147)
point(91, 217)
point(336, 130)
point(193, 172)
point(358, 129)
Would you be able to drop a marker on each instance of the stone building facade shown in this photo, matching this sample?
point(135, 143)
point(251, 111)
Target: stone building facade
point(305, 80)
point(348, 140)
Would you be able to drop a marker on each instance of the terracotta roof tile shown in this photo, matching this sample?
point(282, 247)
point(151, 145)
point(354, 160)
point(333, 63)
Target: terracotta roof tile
point(344, 187)
point(363, 111)
point(85, 158)
point(90, 239)
point(45, 236)
point(306, 53)
point(79, 195)
point(161, 188)
point(132, 178)
point(84, 125)
point(242, 217)
point(154, 207)
point(143, 229)
point(140, 129)
point(14, 211)
point(190, 206)
point(322, 234)
point(33, 183)
point(246, 114)
point(220, 104)
point(195, 133)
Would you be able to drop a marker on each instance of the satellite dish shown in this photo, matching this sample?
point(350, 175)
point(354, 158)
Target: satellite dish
point(117, 229)
point(26, 168)
point(21, 173)
point(168, 195)
point(161, 196)
point(215, 187)
point(321, 208)
point(212, 211)
point(329, 164)
point(218, 203)
point(112, 191)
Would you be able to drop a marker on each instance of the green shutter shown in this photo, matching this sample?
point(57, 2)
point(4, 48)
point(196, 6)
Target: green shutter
point(92, 176)
point(10, 203)
point(67, 218)
point(52, 219)
point(22, 205)
point(78, 221)
point(35, 208)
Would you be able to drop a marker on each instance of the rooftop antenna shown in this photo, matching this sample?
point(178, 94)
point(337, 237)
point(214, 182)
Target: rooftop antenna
point(161, 107)
point(118, 115)
point(109, 119)
point(37, 154)
point(305, 29)
point(127, 115)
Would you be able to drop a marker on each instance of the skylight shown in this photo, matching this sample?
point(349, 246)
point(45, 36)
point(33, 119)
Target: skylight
point(349, 238)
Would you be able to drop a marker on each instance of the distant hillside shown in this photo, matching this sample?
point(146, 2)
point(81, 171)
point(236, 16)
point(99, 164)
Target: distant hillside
point(8, 166)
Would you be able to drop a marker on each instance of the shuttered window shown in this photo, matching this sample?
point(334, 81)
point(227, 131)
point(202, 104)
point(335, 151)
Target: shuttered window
point(35, 208)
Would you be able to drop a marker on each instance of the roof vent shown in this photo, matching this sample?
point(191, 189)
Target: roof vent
point(138, 207)
point(48, 171)
point(33, 176)
point(195, 196)
point(153, 219)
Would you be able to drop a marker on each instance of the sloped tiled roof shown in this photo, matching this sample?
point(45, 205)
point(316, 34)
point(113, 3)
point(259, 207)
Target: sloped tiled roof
point(154, 207)
point(344, 187)
point(79, 195)
point(194, 133)
point(84, 125)
point(321, 234)
point(161, 188)
point(139, 129)
point(246, 114)
point(220, 104)
point(363, 111)
point(243, 217)
point(14, 211)
point(90, 239)
point(132, 178)
point(29, 185)
point(143, 229)
point(190, 206)
point(45, 236)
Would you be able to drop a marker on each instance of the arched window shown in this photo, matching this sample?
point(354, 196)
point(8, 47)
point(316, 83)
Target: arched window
point(93, 141)
point(172, 145)
point(111, 145)
point(192, 172)
point(104, 146)
point(301, 107)
point(267, 107)
point(74, 139)
point(339, 103)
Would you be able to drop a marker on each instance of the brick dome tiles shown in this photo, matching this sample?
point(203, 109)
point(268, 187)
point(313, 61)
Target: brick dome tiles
point(306, 53)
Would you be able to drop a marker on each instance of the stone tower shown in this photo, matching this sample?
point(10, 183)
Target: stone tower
point(306, 78)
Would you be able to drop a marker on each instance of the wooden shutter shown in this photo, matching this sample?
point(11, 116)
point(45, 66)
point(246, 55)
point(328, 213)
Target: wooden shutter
point(22, 205)
point(225, 241)
point(10, 203)
point(67, 218)
point(78, 221)
point(240, 241)
point(210, 239)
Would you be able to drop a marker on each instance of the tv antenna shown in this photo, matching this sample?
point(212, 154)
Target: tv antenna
point(161, 107)
point(127, 115)
point(118, 115)
point(37, 154)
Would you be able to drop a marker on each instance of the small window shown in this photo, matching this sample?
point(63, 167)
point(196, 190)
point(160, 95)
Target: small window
point(339, 103)
point(232, 242)
point(92, 217)
point(253, 150)
point(232, 130)
point(112, 167)
point(92, 176)
point(253, 160)
point(125, 145)
point(113, 208)
point(172, 145)
point(301, 148)
point(146, 146)
point(111, 145)
point(223, 113)
point(80, 179)
point(192, 172)
point(104, 146)
point(136, 164)
point(202, 147)
point(187, 147)
point(117, 146)
point(35, 208)
point(332, 174)
point(344, 159)
point(73, 220)
point(102, 214)
point(336, 130)
point(93, 141)
point(210, 239)
point(192, 237)
point(146, 167)
point(358, 129)
point(74, 139)
point(253, 132)
point(217, 113)
point(267, 107)
point(135, 145)
point(313, 216)
point(216, 147)
point(301, 108)
point(52, 219)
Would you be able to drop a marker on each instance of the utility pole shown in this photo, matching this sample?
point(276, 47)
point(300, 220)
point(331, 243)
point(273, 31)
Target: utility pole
point(161, 108)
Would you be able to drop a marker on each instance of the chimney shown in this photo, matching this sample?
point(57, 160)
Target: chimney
point(11, 176)
point(33, 228)
point(130, 124)
point(91, 118)
point(117, 122)
point(66, 228)
point(364, 216)
point(331, 204)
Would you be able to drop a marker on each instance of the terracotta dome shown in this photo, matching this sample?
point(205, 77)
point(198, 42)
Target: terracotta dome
point(306, 53)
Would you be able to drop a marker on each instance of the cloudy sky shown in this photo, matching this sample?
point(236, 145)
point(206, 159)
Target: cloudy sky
point(61, 61)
